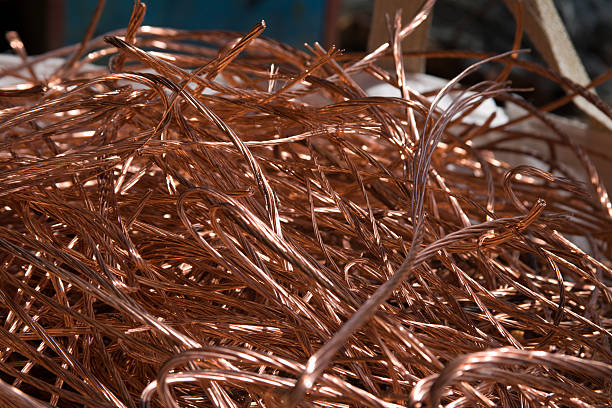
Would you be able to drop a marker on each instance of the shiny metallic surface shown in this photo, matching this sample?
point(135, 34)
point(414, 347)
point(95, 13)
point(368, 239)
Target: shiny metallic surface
point(218, 219)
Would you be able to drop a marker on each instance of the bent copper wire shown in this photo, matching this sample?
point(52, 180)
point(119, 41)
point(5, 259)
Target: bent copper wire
point(224, 231)
point(481, 364)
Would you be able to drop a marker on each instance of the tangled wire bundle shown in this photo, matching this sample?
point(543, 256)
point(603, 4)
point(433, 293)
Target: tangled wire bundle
point(218, 219)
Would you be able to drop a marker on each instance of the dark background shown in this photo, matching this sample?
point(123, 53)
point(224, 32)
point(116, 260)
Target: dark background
point(479, 25)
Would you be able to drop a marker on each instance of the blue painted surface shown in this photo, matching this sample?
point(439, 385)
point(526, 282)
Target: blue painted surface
point(291, 21)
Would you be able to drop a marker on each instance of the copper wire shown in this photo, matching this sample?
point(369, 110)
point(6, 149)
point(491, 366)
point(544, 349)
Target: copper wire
point(218, 219)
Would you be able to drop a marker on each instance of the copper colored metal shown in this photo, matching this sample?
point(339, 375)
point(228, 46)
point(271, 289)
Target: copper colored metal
point(219, 219)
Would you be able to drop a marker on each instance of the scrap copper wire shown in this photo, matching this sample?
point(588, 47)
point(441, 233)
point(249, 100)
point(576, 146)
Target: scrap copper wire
point(219, 219)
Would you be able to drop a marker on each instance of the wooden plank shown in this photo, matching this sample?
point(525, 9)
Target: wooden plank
point(416, 41)
point(547, 32)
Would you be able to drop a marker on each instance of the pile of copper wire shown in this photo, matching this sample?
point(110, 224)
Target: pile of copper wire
point(206, 218)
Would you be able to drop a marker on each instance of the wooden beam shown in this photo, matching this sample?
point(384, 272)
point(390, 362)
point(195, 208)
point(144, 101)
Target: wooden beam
point(547, 32)
point(416, 41)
